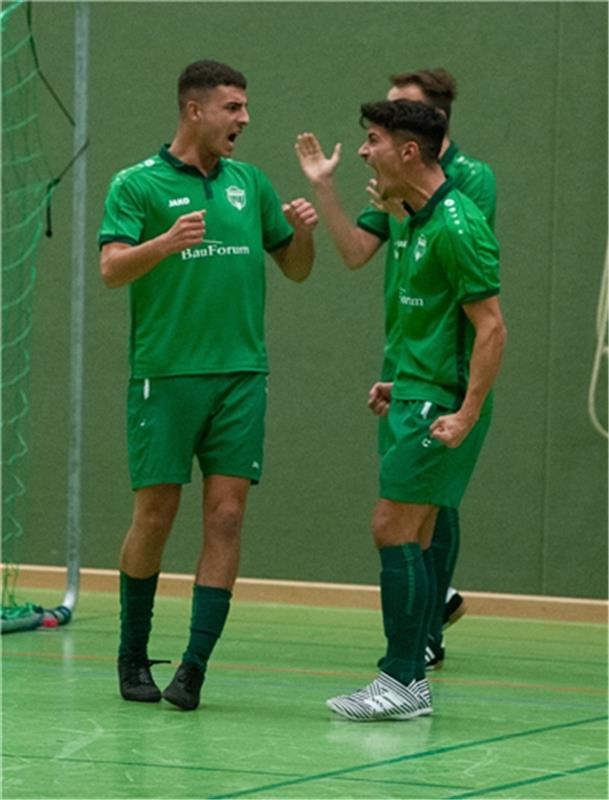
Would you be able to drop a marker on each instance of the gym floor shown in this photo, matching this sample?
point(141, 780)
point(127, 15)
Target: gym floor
point(520, 711)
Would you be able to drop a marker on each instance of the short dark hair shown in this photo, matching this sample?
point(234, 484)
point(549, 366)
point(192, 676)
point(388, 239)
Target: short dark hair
point(438, 86)
point(412, 119)
point(207, 74)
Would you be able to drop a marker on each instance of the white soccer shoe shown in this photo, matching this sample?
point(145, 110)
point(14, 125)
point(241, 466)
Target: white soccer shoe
point(384, 699)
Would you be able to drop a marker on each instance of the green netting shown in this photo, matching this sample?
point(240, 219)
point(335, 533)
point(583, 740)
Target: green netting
point(26, 185)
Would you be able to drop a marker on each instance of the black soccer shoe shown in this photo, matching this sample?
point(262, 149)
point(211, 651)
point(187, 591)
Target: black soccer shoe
point(454, 609)
point(185, 688)
point(434, 654)
point(136, 681)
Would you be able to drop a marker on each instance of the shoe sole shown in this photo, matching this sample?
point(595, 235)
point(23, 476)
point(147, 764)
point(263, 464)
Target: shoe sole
point(142, 699)
point(175, 702)
point(423, 712)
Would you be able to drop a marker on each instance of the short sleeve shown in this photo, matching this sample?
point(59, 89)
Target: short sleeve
point(479, 185)
point(276, 230)
point(375, 222)
point(471, 256)
point(124, 213)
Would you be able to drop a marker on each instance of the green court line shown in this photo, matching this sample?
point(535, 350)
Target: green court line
point(196, 768)
point(529, 781)
point(339, 773)
point(114, 763)
point(401, 759)
point(389, 782)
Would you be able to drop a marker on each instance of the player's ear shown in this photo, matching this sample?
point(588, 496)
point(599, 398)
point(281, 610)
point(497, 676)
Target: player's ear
point(193, 110)
point(409, 150)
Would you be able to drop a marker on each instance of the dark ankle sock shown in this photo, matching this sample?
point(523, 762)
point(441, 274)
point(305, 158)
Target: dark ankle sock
point(403, 600)
point(136, 601)
point(210, 608)
point(445, 548)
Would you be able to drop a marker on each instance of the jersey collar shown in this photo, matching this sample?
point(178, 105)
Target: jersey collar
point(449, 154)
point(423, 214)
point(167, 156)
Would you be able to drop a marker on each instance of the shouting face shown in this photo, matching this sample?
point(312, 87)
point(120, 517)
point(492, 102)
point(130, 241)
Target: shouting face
point(219, 115)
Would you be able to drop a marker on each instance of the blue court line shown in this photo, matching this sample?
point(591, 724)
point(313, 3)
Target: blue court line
point(401, 759)
point(552, 777)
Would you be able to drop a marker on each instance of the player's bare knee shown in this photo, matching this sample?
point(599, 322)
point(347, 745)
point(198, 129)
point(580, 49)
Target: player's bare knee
point(225, 519)
point(154, 520)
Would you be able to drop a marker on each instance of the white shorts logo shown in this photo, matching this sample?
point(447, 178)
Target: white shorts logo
point(236, 197)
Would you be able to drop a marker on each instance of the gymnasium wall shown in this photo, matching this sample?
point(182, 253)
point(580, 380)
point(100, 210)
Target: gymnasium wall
point(533, 102)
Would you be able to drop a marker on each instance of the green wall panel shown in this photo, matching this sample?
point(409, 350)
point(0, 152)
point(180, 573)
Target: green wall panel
point(533, 102)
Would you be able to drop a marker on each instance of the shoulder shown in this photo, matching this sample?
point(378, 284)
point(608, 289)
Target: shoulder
point(137, 174)
point(470, 169)
point(463, 221)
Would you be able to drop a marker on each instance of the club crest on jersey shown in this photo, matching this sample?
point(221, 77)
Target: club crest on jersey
point(420, 247)
point(398, 246)
point(236, 197)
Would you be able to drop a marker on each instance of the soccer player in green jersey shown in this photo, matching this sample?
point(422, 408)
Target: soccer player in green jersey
point(438, 404)
point(187, 230)
point(357, 243)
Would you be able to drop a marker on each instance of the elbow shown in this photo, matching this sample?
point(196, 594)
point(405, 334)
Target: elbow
point(354, 261)
point(300, 276)
point(109, 278)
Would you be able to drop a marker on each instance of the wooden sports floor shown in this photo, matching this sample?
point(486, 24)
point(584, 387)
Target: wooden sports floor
point(520, 711)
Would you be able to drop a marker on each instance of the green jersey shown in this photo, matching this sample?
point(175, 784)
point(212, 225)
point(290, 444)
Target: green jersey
point(451, 258)
point(472, 177)
point(200, 310)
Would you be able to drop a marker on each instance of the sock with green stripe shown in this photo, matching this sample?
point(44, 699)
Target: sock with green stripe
point(210, 607)
point(404, 591)
point(136, 609)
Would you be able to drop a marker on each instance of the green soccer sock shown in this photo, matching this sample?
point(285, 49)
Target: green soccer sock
point(136, 601)
point(444, 549)
point(210, 608)
point(403, 600)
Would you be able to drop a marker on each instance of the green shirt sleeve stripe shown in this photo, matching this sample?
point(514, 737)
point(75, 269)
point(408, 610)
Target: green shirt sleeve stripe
point(108, 237)
point(283, 243)
point(473, 298)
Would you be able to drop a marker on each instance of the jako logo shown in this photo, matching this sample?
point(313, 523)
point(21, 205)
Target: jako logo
point(179, 201)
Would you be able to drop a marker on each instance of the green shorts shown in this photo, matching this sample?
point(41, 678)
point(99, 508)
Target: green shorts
point(418, 469)
point(217, 418)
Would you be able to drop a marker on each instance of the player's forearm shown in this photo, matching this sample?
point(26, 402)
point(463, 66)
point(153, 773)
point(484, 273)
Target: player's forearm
point(355, 247)
point(296, 260)
point(487, 352)
point(123, 264)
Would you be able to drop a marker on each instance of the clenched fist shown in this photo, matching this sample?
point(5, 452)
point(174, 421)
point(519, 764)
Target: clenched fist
point(186, 231)
point(300, 214)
